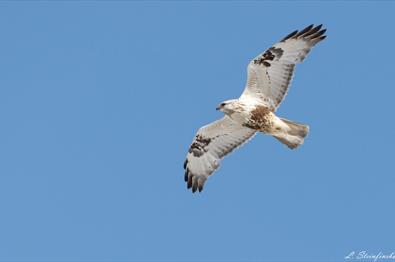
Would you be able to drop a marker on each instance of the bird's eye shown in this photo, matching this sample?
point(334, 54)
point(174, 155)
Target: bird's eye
point(223, 104)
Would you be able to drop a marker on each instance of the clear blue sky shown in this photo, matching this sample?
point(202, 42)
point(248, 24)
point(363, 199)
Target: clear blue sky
point(100, 100)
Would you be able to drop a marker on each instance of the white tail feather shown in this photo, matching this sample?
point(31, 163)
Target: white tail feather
point(294, 137)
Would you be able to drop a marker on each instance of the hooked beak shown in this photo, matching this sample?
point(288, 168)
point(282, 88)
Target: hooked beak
point(218, 108)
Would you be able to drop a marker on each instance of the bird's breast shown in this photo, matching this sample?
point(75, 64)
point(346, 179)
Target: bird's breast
point(260, 118)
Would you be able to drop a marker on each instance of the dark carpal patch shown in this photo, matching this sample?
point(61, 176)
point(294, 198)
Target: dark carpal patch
point(278, 52)
point(267, 64)
point(270, 54)
point(198, 147)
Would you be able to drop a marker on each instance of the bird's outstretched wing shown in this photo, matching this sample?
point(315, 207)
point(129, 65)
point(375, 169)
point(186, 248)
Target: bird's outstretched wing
point(270, 73)
point(211, 143)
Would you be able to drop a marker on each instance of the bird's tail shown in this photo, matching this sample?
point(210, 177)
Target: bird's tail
point(295, 135)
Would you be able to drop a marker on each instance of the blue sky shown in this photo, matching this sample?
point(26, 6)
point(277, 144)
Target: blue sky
point(100, 100)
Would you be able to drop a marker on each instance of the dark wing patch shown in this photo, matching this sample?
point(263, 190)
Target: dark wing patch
point(269, 55)
point(270, 73)
point(199, 145)
point(209, 146)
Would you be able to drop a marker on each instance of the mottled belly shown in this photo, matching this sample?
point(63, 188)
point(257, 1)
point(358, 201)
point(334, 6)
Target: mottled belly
point(261, 119)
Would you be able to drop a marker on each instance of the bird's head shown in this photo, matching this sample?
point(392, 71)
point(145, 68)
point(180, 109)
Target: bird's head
point(228, 106)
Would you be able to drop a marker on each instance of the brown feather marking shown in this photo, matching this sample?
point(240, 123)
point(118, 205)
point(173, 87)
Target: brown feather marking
point(260, 119)
point(269, 55)
point(199, 146)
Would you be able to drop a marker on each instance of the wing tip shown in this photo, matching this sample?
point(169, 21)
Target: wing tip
point(186, 175)
point(310, 32)
point(194, 182)
point(305, 30)
point(289, 36)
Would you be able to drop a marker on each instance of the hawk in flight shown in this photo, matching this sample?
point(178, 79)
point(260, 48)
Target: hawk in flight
point(269, 76)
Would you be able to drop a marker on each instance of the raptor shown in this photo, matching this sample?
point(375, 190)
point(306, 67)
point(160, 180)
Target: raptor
point(269, 77)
